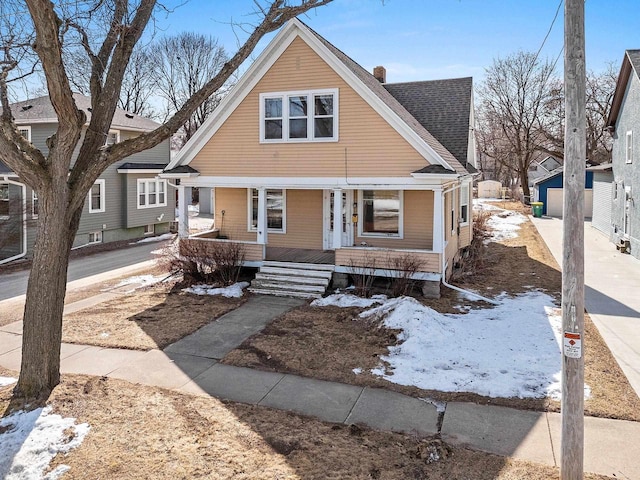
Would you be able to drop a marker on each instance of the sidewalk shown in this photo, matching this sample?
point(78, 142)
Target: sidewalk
point(191, 365)
point(612, 292)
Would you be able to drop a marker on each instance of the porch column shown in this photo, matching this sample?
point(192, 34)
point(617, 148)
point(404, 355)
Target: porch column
point(438, 216)
point(337, 218)
point(184, 199)
point(262, 216)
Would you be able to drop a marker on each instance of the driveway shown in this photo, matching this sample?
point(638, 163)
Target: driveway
point(612, 292)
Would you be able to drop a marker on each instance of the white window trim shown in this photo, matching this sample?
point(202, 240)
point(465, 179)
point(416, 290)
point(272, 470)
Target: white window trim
point(34, 197)
point(152, 231)
point(464, 201)
point(310, 116)
point(8, 200)
point(453, 214)
point(97, 234)
point(628, 150)
point(146, 193)
point(103, 198)
point(28, 129)
point(361, 233)
point(250, 211)
point(117, 132)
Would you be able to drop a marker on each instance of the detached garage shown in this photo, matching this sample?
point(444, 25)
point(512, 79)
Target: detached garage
point(602, 201)
point(548, 190)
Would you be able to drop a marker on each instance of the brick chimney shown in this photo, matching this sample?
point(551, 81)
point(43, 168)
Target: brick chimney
point(380, 73)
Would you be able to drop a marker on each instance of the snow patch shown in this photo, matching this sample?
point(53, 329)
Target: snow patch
point(4, 381)
point(232, 291)
point(140, 281)
point(30, 440)
point(504, 225)
point(357, 371)
point(159, 238)
point(347, 300)
point(511, 350)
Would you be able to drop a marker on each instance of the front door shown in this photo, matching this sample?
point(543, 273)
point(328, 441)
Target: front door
point(329, 219)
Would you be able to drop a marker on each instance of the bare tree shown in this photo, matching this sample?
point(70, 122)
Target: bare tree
point(599, 94)
point(108, 32)
point(182, 65)
point(512, 101)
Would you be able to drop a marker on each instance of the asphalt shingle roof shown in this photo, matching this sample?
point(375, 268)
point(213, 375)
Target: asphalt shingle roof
point(443, 107)
point(142, 166)
point(378, 89)
point(40, 110)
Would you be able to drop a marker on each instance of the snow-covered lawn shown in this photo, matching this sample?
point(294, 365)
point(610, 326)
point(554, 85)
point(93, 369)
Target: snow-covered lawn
point(511, 350)
point(232, 291)
point(348, 300)
point(159, 238)
point(504, 223)
point(29, 440)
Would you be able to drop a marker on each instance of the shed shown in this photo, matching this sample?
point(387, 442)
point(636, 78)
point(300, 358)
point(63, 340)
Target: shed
point(489, 189)
point(549, 191)
point(602, 197)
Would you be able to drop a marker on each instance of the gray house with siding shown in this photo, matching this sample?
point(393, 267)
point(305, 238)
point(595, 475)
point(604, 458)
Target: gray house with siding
point(624, 125)
point(127, 202)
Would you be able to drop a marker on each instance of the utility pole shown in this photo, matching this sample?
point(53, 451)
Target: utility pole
point(572, 449)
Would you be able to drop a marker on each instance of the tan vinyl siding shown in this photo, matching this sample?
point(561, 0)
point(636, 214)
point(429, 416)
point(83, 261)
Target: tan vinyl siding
point(465, 236)
point(367, 143)
point(367, 256)
point(234, 224)
point(418, 224)
point(252, 251)
point(304, 221)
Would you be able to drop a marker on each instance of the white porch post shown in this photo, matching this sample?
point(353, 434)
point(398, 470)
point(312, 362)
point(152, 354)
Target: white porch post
point(262, 216)
point(438, 214)
point(337, 218)
point(184, 198)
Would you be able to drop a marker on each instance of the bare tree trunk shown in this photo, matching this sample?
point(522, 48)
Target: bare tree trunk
point(42, 332)
point(524, 182)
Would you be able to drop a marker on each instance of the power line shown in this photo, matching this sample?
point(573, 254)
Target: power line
point(555, 17)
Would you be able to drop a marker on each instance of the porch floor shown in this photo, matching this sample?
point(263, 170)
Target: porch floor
point(300, 255)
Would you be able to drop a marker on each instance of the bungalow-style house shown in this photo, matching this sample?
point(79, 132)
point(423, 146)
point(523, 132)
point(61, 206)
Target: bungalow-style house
point(128, 201)
point(308, 132)
point(624, 125)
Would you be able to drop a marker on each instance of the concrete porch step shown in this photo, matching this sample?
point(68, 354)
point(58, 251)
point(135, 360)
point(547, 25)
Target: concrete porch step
point(284, 293)
point(292, 279)
point(293, 287)
point(297, 272)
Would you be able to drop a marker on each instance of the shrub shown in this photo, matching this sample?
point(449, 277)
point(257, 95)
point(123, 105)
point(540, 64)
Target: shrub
point(405, 266)
point(474, 258)
point(209, 262)
point(363, 274)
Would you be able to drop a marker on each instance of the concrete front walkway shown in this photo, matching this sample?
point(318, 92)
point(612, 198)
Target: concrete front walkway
point(612, 292)
point(191, 366)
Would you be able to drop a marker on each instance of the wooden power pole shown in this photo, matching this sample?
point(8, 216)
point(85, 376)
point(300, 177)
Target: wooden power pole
point(572, 449)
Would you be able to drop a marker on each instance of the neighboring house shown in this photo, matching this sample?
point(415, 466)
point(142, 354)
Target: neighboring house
point(128, 201)
point(549, 191)
point(542, 168)
point(307, 132)
point(624, 124)
point(602, 198)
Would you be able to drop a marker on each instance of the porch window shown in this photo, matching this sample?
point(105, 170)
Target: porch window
point(464, 204)
point(276, 210)
point(4, 200)
point(629, 147)
point(299, 116)
point(97, 197)
point(381, 213)
point(152, 193)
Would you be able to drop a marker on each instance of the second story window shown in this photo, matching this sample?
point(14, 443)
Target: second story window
point(112, 137)
point(299, 116)
point(629, 147)
point(25, 131)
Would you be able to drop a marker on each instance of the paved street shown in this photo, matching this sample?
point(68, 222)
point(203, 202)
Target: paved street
point(612, 292)
point(15, 283)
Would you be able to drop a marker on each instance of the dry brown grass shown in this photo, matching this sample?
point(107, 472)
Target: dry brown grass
point(148, 318)
point(327, 343)
point(148, 433)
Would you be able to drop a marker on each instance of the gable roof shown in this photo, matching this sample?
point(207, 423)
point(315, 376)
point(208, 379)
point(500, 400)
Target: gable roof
point(40, 110)
point(630, 63)
point(357, 77)
point(443, 107)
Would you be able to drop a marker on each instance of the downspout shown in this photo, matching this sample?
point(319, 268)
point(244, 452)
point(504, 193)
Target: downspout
point(443, 264)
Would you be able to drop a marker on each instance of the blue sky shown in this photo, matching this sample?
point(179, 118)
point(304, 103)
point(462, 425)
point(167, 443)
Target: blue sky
point(431, 39)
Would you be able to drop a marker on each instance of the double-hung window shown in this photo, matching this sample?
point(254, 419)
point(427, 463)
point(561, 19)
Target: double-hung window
point(381, 213)
point(464, 204)
point(152, 193)
point(629, 147)
point(300, 116)
point(25, 131)
point(4, 200)
point(112, 137)
point(276, 210)
point(35, 204)
point(97, 197)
